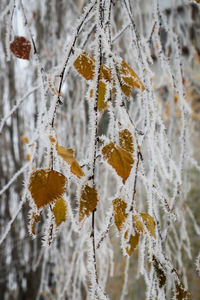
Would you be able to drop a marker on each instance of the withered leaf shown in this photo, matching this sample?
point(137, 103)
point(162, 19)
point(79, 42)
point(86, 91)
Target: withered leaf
point(105, 73)
point(76, 169)
point(46, 186)
point(88, 201)
point(126, 140)
point(150, 223)
point(126, 89)
point(101, 103)
point(119, 159)
point(119, 207)
point(21, 47)
point(181, 292)
point(35, 218)
point(85, 65)
point(138, 225)
point(60, 211)
point(133, 242)
point(24, 139)
point(129, 77)
point(159, 272)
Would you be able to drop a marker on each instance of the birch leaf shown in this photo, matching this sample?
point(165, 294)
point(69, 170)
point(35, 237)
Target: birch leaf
point(150, 223)
point(181, 292)
point(119, 159)
point(101, 103)
point(85, 65)
point(119, 207)
point(34, 220)
point(126, 89)
point(129, 77)
point(21, 47)
point(76, 169)
point(126, 140)
point(139, 227)
point(105, 73)
point(159, 272)
point(46, 186)
point(60, 211)
point(24, 139)
point(133, 242)
point(67, 154)
point(88, 201)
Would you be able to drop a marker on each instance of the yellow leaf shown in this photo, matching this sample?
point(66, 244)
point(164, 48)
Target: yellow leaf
point(34, 220)
point(101, 104)
point(67, 154)
point(119, 159)
point(52, 139)
point(129, 77)
point(85, 65)
point(88, 201)
point(60, 211)
point(76, 169)
point(150, 223)
point(120, 215)
point(126, 140)
point(138, 225)
point(126, 89)
point(28, 157)
point(46, 186)
point(24, 139)
point(105, 73)
point(133, 242)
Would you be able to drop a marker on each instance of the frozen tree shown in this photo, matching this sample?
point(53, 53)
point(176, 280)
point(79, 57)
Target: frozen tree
point(98, 120)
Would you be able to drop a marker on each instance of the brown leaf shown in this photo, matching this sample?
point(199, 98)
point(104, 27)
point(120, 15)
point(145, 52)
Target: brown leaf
point(106, 73)
point(24, 139)
point(21, 47)
point(181, 292)
point(67, 154)
point(60, 211)
point(138, 225)
point(159, 272)
point(150, 223)
point(76, 169)
point(101, 103)
point(88, 201)
point(85, 65)
point(126, 140)
point(133, 242)
point(119, 207)
point(126, 89)
point(119, 159)
point(34, 220)
point(46, 186)
point(129, 77)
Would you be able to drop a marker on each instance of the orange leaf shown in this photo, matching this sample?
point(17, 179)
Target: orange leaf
point(133, 242)
point(106, 73)
point(88, 201)
point(129, 77)
point(60, 211)
point(85, 65)
point(76, 169)
point(126, 140)
point(24, 139)
point(126, 89)
point(46, 186)
point(67, 154)
point(120, 215)
point(21, 47)
point(119, 159)
point(150, 223)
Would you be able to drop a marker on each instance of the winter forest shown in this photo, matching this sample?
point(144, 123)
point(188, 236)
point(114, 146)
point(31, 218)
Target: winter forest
point(99, 149)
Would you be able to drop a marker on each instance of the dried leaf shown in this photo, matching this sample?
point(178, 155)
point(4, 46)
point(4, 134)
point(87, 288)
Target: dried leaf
point(138, 225)
point(101, 103)
point(21, 47)
point(34, 220)
point(106, 73)
point(76, 169)
point(28, 157)
point(88, 201)
point(60, 211)
point(85, 65)
point(126, 140)
point(126, 89)
point(119, 207)
point(24, 139)
point(129, 77)
point(159, 272)
point(181, 292)
point(150, 223)
point(67, 154)
point(133, 242)
point(119, 159)
point(46, 186)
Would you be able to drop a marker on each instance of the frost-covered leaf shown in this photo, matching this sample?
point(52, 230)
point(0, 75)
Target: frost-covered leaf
point(119, 159)
point(119, 207)
point(106, 73)
point(159, 272)
point(21, 47)
point(88, 201)
point(101, 103)
point(126, 140)
point(138, 225)
point(24, 139)
point(181, 292)
point(85, 65)
point(68, 155)
point(76, 169)
point(60, 211)
point(132, 243)
point(150, 223)
point(46, 186)
point(126, 89)
point(129, 77)
point(35, 218)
